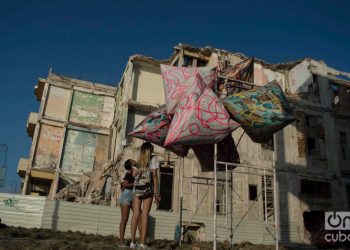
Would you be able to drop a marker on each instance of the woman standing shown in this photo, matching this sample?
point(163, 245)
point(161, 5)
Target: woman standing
point(126, 197)
point(146, 186)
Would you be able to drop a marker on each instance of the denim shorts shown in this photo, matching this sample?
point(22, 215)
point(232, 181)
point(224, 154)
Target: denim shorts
point(126, 197)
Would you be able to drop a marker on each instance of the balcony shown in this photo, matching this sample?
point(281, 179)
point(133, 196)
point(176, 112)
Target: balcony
point(39, 89)
point(31, 123)
point(22, 167)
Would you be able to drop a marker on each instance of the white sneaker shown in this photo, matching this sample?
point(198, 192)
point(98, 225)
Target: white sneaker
point(133, 245)
point(142, 246)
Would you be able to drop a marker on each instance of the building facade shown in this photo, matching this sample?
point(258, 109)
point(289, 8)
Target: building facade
point(71, 133)
point(310, 156)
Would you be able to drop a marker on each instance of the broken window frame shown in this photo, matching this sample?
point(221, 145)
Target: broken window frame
point(343, 145)
point(163, 166)
point(269, 145)
point(312, 134)
point(252, 192)
point(316, 189)
point(188, 59)
point(335, 92)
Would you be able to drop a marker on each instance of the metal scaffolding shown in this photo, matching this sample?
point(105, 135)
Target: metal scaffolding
point(268, 188)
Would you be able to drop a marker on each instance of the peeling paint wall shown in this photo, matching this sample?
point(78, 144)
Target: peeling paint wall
point(101, 153)
point(83, 151)
point(79, 151)
point(299, 77)
point(90, 109)
point(48, 147)
point(263, 76)
point(57, 96)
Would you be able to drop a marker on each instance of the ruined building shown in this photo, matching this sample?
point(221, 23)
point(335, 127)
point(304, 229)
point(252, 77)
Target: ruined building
point(80, 143)
point(71, 133)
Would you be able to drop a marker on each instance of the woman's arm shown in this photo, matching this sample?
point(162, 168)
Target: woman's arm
point(128, 184)
point(134, 171)
point(156, 185)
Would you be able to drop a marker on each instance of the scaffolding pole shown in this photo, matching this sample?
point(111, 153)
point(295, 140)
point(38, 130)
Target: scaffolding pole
point(265, 199)
point(181, 195)
point(258, 171)
point(215, 198)
point(275, 201)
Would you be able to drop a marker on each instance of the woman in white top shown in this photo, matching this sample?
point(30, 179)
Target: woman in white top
point(148, 184)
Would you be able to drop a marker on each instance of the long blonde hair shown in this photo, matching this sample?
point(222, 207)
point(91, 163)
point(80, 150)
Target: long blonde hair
point(145, 156)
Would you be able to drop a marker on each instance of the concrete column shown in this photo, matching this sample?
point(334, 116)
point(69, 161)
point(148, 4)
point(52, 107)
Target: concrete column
point(25, 183)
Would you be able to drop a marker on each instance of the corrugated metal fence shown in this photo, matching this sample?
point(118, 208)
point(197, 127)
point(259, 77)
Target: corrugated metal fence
point(29, 211)
point(21, 211)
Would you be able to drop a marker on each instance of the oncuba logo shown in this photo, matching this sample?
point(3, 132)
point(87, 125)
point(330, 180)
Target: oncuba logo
point(337, 220)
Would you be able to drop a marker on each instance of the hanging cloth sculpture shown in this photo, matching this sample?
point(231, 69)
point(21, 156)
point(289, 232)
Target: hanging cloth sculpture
point(261, 111)
point(177, 79)
point(226, 149)
point(154, 128)
point(200, 117)
point(243, 71)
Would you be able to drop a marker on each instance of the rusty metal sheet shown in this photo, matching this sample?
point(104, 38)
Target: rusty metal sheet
point(90, 109)
point(48, 147)
point(57, 103)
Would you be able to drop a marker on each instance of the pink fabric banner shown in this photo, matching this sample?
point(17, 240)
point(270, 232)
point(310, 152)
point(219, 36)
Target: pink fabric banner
point(200, 118)
point(154, 128)
point(177, 79)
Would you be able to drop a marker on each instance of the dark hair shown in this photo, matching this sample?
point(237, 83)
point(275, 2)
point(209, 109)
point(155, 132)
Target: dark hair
point(128, 164)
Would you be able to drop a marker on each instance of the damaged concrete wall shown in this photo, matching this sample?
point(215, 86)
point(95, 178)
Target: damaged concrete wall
point(79, 151)
point(300, 77)
point(48, 147)
point(72, 135)
point(57, 95)
point(91, 109)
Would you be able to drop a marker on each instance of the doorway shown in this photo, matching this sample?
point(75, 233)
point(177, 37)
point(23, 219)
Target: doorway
point(166, 188)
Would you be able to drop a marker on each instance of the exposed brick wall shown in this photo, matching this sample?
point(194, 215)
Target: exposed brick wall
point(301, 134)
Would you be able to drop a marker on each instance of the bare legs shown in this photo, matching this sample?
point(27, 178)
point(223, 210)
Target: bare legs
point(136, 207)
point(125, 209)
point(137, 216)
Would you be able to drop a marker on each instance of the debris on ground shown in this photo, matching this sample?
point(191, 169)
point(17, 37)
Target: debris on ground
point(17, 238)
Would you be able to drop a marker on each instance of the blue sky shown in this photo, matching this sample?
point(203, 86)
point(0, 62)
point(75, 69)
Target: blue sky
point(92, 40)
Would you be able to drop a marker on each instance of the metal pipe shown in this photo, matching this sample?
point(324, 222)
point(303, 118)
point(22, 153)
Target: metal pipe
point(215, 194)
point(181, 195)
point(226, 194)
point(275, 200)
point(265, 200)
point(231, 208)
point(236, 80)
point(242, 165)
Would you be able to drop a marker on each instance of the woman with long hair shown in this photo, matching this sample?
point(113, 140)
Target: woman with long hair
point(126, 197)
point(145, 187)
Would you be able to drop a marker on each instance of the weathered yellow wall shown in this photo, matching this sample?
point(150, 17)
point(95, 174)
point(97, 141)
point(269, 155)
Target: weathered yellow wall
point(57, 103)
point(148, 85)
